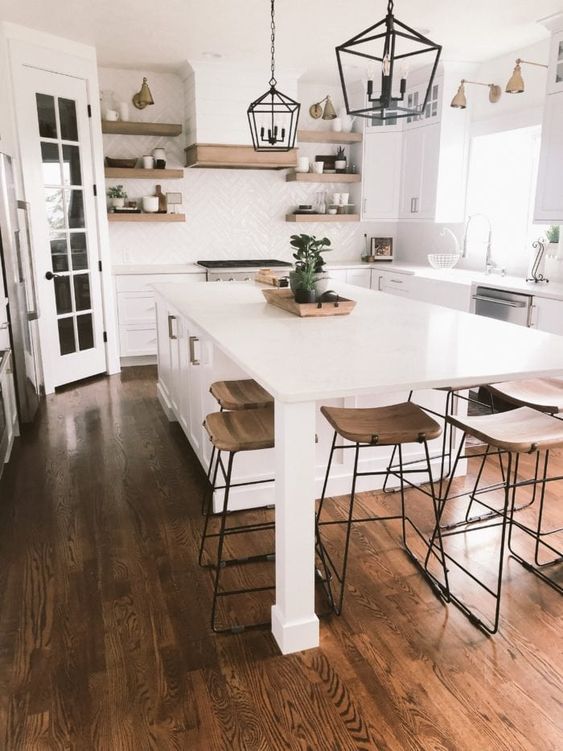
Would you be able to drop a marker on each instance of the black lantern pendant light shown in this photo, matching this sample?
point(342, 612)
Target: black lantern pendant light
point(273, 117)
point(385, 49)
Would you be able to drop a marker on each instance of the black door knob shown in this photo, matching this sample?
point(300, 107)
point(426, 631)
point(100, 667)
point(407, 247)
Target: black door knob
point(49, 275)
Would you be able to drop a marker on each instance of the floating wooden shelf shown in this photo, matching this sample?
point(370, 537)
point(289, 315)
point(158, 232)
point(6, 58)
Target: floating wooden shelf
point(144, 174)
point(119, 127)
point(236, 156)
point(311, 177)
point(146, 217)
point(327, 136)
point(322, 218)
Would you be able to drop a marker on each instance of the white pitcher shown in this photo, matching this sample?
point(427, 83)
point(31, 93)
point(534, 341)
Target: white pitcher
point(346, 120)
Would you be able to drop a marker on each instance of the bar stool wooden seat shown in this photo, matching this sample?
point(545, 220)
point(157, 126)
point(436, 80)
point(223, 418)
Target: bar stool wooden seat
point(395, 426)
point(236, 395)
point(233, 433)
point(543, 394)
point(240, 394)
point(519, 431)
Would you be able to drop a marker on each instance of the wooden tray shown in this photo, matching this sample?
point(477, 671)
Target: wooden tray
point(265, 276)
point(283, 298)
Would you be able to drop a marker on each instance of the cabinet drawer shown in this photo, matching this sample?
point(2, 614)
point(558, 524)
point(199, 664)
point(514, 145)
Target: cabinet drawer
point(137, 340)
point(144, 282)
point(395, 284)
point(134, 307)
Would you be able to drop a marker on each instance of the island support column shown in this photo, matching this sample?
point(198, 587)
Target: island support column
point(294, 623)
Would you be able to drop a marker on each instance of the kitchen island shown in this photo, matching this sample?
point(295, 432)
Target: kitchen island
point(386, 347)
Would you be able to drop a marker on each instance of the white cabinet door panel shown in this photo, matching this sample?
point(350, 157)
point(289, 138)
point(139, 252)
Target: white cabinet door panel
point(549, 194)
point(381, 176)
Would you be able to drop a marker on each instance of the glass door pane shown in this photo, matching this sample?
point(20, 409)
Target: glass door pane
point(68, 234)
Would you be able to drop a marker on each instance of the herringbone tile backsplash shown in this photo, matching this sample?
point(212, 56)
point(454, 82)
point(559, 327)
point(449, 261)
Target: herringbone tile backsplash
point(230, 213)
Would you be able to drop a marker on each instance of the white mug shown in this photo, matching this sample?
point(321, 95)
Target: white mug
point(150, 204)
point(302, 164)
point(148, 162)
point(112, 115)
point(336, 199)
point(336, 124)
point(318, 167)
point(344, 198)
point(124, 111)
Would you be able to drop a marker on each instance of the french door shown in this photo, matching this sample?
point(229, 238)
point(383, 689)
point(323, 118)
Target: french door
point(57, 163)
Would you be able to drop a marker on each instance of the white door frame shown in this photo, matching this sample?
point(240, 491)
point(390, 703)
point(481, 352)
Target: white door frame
point(61, 56)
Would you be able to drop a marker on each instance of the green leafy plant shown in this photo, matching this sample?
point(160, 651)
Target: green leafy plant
point(305, 278)
point(552, 233)
point(340, 154)
point(308, 251)
point(117, 191)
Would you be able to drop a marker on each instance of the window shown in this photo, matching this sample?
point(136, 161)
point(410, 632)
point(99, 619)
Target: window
point(503, 171)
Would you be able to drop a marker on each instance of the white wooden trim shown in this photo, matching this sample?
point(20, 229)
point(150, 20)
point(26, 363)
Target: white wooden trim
point(67, 58)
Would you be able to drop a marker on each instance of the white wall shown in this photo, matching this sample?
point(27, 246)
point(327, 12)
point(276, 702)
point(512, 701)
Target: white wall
point(230, 213)
point(415, 240)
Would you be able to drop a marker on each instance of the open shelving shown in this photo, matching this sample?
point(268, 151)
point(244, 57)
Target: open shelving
point(128, 128)
point(133, 173)
point(312, 177)
point(328, 136)
point(146, 217)
point(322, 218)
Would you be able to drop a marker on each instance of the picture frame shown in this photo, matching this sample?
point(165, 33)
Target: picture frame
point(381, 249)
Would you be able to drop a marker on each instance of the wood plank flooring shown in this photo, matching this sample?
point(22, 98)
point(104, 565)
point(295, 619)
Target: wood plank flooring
point(104, 635)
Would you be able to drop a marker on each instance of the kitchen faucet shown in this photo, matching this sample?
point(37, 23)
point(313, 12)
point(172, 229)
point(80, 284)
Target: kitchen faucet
point(490, 265)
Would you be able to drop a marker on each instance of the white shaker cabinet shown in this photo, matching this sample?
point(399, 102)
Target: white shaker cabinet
point(358, 277)
point(547, 315)
point(549, 192)
point(391, 282)
point(381, 181)
point(135, 311)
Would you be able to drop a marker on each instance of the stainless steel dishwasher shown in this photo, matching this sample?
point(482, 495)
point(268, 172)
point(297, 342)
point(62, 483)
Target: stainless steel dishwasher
point(512, 307)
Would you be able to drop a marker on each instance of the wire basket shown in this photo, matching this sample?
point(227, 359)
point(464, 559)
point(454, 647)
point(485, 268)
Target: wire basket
point(443, 260)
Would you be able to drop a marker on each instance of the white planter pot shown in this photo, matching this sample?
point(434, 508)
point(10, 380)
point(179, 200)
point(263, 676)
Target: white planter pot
point(118, 203)
point(340, 164)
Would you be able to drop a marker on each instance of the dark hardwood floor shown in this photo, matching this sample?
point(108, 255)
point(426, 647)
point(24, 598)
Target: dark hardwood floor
point(104, 635)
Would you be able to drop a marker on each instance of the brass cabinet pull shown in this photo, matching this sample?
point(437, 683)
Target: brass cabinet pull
point(192, 340)
point(171, 334)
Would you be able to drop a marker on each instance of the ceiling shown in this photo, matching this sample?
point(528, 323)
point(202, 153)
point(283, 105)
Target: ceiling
point(161, 36)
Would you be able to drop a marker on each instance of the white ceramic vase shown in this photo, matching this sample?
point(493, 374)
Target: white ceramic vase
point(150, 204)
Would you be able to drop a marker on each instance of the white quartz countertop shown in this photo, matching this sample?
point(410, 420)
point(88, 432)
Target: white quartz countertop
point(387, 344)
point(467, 277)
point(157, 268)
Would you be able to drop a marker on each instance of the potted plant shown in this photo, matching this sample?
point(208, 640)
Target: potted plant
point(340, 161)
point(308, 251)
point(552, 235)
point(117, 195)
point(305, 284)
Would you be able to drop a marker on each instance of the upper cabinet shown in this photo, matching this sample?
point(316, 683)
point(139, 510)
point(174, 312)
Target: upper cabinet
point(555, 72)
point(415, 168)
point(549, 192)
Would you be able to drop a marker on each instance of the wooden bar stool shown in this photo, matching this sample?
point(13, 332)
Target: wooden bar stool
point(236, 395)
point(240, 394)
point(395, 425)
point(519, 431)
point(542, 394)
point(453, 395)
point(232, 433)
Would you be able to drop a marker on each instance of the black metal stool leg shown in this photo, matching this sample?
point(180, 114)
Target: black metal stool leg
point(325, 483)
point(208, 505)
point(221, 539)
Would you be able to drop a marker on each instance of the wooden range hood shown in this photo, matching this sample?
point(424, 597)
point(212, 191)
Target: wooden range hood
point(233, 156)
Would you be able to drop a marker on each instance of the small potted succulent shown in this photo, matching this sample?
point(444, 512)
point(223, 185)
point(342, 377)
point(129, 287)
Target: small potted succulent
point(117, 195)
point(552, 235)
point(305, 284)
point(308, 252)
point(340, 161)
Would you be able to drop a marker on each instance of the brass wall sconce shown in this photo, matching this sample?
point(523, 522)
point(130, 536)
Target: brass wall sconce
point(460, 100)
point(143, 97)
point(515, 83)
point(327, 112)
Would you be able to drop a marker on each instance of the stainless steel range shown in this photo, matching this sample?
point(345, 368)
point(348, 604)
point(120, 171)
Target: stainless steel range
point(242, 270)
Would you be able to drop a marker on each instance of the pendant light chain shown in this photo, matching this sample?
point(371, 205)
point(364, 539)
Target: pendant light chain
point(273, 81)
point(390, 6)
